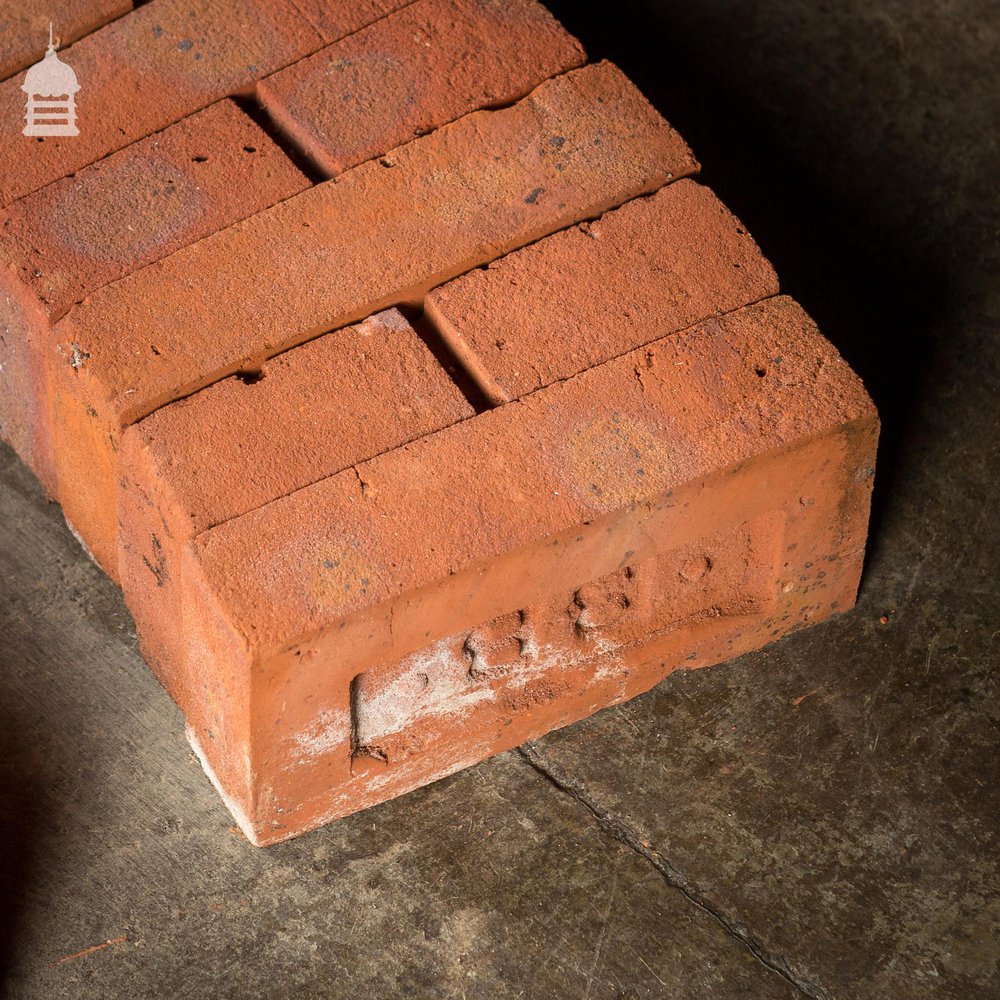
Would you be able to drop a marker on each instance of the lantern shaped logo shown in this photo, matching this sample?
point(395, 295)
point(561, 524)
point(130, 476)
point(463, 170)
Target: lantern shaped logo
point(51, 88)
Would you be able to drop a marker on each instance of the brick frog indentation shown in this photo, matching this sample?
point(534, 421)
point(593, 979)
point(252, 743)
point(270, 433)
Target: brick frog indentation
point(495, 647)
point(605, 603)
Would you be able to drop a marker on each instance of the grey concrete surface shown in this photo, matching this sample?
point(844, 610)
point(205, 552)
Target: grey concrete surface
point(820, 819)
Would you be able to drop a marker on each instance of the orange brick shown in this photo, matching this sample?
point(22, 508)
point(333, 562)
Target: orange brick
point(25, 27)
point(585, 295)
point(511, 573)
point(68, 239)
point(308, 414)
point(334, 19)
point(164, 61)
point(410, 73)
point(377, 236)
point(233, 448)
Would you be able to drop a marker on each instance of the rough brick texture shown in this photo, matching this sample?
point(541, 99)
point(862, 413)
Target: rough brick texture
point(412, 72)
point(24, 27)
point(68, 239)
point(460, 197)
point(234, 447)
point(305, 415)
point(602, 288)
point(164, 61)
point(348, 662)
point(334, 19)
point(308, 414)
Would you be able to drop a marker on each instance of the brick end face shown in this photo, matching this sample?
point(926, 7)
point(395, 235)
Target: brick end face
point(700, 599)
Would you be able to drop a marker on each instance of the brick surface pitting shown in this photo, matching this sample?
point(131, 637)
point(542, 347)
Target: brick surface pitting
point(496, 427)
point(603, 288)
point(62, 243)
point(413, 72)
point(377, 236)
point(306, 415)
point(24, 27)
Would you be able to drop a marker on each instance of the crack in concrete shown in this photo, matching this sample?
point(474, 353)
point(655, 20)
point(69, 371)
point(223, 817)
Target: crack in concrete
point(620, 831)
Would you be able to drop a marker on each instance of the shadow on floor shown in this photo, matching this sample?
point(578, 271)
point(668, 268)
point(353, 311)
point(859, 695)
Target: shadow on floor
point(23, 812)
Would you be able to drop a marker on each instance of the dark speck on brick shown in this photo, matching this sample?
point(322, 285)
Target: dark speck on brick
point(184, 44)
point(533, 196)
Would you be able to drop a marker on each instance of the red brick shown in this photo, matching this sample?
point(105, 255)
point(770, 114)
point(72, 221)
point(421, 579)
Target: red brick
point(334, 19)
point(402, 619)
point(24, 27)
point(308, 414)
point(162, 62)
point(410, 73)
point(585, 295)
point(63, 242)
point(377, 236)
point(233, 448)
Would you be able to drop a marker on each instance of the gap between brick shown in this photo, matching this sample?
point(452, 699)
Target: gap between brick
point(454, 367)
point(618, 830)
point(408, 299)
point(295, 150)
point(310, 157)
point(294, 147)
point(462, 370)
point(245, 92)
point(249, 103)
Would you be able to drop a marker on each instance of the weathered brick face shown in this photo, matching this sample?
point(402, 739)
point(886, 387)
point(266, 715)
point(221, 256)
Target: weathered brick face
point(496, 427)
point(729, 508)
point(376, 237)
point(407, 75)
point(26, 27)
point(78, 234)
point(530, 657)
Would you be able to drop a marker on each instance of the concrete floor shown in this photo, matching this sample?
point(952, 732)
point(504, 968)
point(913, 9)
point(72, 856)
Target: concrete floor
point(821, 818)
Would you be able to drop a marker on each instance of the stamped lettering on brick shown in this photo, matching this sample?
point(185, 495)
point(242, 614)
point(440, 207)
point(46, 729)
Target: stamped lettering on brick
point(580, 638)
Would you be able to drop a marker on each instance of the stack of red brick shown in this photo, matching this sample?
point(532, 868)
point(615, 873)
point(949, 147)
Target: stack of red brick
point(418, 399)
